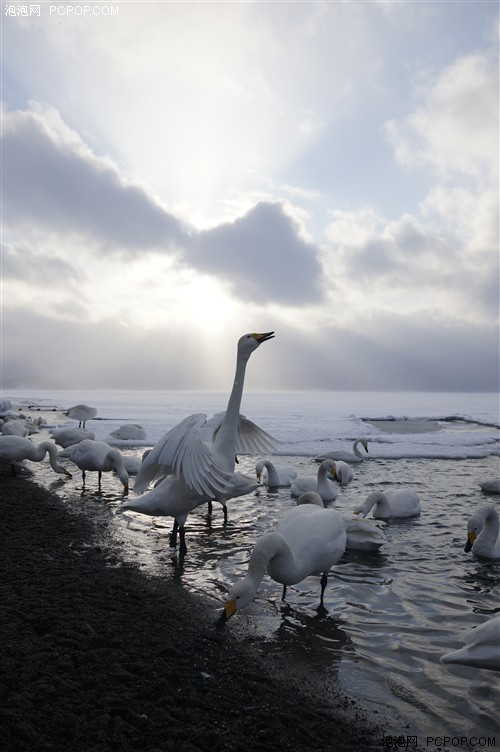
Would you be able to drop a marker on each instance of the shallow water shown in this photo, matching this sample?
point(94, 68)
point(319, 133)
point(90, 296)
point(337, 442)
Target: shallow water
point(389, 615)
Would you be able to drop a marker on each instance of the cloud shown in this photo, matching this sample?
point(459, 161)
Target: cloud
point(262, 255)
point(52, 181)
point(455, 130)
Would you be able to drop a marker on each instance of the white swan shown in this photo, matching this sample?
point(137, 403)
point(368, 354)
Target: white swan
point(481, 648)
point(483, 533)
point(15, 427)
point(490, 486)
point(275, 477)
point(97, 456)
point(320, 483)
point(66, 437)
point(354, 456)
point(308, 541)
point(81, 413)
point(344, 472)
point(198, 471)
point(398, 502)
point(129, 431)
point(16, 448)
point(362, 534)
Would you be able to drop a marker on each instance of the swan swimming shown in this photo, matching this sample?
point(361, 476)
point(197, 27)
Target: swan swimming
point(320, 483)
point(196, 471)
point(66, 436)
point(275, 477)
point(481, 648)
point(354, 456)
point(344, 472)
point(483, 537)
point(17, 448)
point(395, 502)
point(490, 486)
point(309, 540)
point(362, 534)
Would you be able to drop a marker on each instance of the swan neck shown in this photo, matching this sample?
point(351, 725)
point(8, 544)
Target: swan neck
point(47, 448)
point(225, 441)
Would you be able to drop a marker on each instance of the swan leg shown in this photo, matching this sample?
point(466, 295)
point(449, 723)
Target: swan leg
point(182, 539)
point(99, 476)
point(83, 476)
point(209, 507)
point(324, 582)
point(173, 534)
point(225, 513)
point(283, 593)
point(14, 471)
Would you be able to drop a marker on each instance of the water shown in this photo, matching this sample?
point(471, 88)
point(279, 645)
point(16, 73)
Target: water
point(390, 615)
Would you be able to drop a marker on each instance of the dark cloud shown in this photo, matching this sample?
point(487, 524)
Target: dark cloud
point(57, 185)
point(262, 255)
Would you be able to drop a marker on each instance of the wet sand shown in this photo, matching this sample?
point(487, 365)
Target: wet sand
point(98, 656)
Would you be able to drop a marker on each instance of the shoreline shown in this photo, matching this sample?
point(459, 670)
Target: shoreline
point(98, 655)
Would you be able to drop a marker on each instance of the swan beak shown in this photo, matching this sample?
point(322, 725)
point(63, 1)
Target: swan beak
point(258, 477)
point(125, 489)
point(229, 609)
point(67, 473)
point(263, 337)
point(471, 537)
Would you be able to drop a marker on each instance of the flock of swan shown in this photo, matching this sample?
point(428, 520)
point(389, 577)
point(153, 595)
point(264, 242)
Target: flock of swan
point(187, 468)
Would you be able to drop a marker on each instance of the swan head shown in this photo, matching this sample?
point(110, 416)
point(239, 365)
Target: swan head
point(238, 597)
point(476, 523)
point(250, 342)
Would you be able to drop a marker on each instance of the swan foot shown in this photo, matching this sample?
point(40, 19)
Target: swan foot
point(324, 582)
point(173, 535)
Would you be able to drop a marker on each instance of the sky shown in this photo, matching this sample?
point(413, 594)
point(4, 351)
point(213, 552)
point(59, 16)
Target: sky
point(176, 174)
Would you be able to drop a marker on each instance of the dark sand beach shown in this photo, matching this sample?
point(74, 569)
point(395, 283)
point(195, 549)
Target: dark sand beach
point(97, 655)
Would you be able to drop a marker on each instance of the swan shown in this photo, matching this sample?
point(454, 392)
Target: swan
point(81, 413)
point(204, 470)
point(66, 437)
point(129, 431)
point(482, 647)
point(319, 483)
point(15, 427)
point(398, 502)
point(482, 533)
point(354, 456)
point(362, 534)
point(344, 472)
point(99, 457)
point(309, 540)
point(275, 477)
point(17, 448)
point(490, 486)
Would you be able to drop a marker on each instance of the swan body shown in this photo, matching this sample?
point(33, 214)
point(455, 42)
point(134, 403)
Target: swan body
point(490, 486)
point(361, 534)
point(354, 456)
point(399, 502)
point(309, 540)
point(344, 472)
point(481, 648)
point(97, 456)
point(203, 470)
point(15, 427)
point(483, 533)
point(66, 437)
point(129, 431)
point(319, 483)
point(275, 477)
point(16, 448)
point(81, 413)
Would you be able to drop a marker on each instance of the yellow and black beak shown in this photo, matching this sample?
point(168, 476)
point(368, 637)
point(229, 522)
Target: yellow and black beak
point(263, 337)
point(229, 609)
point(471, 537)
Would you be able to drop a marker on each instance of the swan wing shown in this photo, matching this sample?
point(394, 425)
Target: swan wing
point(182, 451)
point(253, 440)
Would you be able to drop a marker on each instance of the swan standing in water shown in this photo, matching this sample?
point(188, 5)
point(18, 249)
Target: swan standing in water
point(481, 648)
point(309, 540)
point(398, 502)
point(66, 437)
point(483, 533)
point(275, 477)
point(354, 456)
point(81, 413)
point(17, 448)
point(97, 456)
point(362, 534)
point(197, 471)
point(319, 483)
